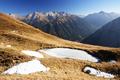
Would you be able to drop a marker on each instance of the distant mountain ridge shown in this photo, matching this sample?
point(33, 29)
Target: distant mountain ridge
point(61, 24)
point(108, 35)
point(67, 26)
point(97, 20)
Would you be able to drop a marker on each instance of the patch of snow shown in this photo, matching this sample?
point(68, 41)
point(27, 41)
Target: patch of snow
point(13, 31)
point(113, 61)
point(32, 53)
point(69, 53)
point(27, 68)
point(5, 45)
point(1, 43)
point(8, 46)
point(97, 73)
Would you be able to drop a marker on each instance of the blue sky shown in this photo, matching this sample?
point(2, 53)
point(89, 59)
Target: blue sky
point(82, 7)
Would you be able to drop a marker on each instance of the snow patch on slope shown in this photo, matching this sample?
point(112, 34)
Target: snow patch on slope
point(69, 53)
point(5, 45)
point(113, 62)
point(32, 53)
point(27, 68)
point(8, 46)
point(97, 73)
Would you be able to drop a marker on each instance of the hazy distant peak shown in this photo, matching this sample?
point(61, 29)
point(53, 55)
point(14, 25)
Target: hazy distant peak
point(101, 18)
point(108, 35)
point(102, 12)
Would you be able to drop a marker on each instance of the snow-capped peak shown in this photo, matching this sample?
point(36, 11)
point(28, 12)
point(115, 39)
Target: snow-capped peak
point(52, 15)
point(34, 15)
point(39, 16)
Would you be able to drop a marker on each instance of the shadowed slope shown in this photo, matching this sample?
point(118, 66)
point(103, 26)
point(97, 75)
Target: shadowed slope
point(108, 35)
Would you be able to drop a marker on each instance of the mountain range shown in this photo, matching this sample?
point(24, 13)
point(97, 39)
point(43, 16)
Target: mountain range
point(97, 20)
point(63, 25)
point(108, 35)
point(72, 27)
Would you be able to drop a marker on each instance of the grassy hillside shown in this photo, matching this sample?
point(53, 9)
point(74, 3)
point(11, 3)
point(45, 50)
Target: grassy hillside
point(22, 36)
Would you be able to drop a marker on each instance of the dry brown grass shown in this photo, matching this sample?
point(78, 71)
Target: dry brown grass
point(10, 57)
point(63, 69)
point(22, 36)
